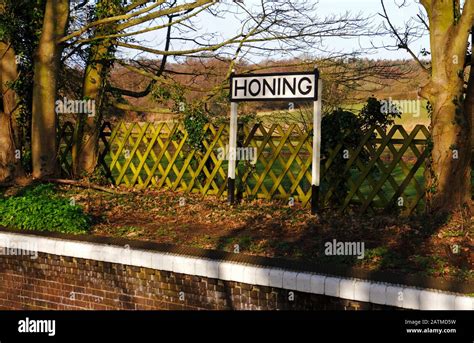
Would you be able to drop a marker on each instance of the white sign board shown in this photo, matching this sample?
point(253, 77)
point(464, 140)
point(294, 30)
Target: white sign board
point(282, 86)
point(286, 86)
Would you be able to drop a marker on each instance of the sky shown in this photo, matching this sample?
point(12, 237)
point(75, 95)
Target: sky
point(228, 26)
point(398, 15)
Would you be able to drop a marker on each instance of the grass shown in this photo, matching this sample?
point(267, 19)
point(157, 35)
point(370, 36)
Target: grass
point(407, 120)
point(453, 233)
point(39, 208)
point(129, 231)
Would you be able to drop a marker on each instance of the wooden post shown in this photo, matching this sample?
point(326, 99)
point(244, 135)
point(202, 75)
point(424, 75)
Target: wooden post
point(232, 152)
point(316, 158)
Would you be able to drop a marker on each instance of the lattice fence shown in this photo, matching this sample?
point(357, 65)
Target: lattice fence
point(383, 173)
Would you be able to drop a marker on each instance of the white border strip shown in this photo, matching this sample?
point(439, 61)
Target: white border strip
point(345, 288)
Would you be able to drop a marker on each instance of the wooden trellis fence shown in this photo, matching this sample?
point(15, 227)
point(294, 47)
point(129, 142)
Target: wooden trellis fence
point(157, 155)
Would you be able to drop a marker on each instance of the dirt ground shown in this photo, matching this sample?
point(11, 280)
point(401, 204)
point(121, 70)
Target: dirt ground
point(437, 247)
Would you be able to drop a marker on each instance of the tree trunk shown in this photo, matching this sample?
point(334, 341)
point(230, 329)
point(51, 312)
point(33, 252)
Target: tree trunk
point(469, 106)
point(47, 60)
point(469, 110)
point(449, 182)
point(449, 171)
point(10, 163)
point(85, 152)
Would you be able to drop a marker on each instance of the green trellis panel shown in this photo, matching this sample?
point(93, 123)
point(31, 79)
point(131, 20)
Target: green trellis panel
point(156, 155)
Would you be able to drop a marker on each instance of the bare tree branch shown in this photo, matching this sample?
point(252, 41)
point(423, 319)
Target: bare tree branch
point(402, 42)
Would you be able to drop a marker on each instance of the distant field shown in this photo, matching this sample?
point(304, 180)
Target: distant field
point(408, 119)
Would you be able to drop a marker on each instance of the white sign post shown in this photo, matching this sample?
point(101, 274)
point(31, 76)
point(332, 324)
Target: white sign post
point(232, 152)
point(316, 156)
point(276, 87)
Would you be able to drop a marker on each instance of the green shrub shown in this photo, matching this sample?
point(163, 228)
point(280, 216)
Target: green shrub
point(349, 129)
point(39, 208)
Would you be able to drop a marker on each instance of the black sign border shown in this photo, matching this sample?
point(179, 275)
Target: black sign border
point(315, 72)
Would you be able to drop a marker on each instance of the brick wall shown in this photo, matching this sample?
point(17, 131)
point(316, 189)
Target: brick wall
point(69, 283)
